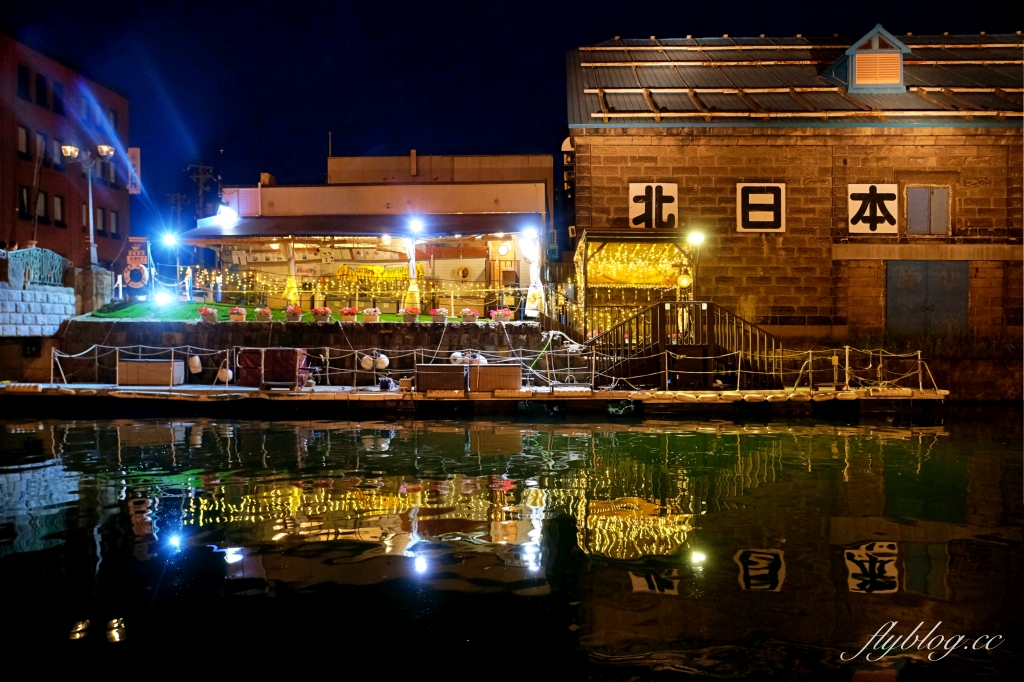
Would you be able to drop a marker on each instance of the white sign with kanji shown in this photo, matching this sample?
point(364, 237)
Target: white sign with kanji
point(760, 207)
point(872, 209)
point(653, 204)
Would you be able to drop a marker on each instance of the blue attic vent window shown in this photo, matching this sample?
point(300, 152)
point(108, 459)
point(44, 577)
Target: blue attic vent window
point(876, 63)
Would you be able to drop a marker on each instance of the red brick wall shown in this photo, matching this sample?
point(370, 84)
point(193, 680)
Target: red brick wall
point(64, 180)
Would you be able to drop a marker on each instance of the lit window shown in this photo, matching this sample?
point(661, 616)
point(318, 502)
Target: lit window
point(113, 222)
point(99, 220)
point(42, 151)
point(23, 203)
point(58, 98)
point(57, 155)
point(24, 82)
point(23, 141)
point(41, 98)
point(42, 201)
point(58, 210)
point(928, 210)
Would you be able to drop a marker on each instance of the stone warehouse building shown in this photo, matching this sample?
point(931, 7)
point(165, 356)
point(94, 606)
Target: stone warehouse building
point(847, 188)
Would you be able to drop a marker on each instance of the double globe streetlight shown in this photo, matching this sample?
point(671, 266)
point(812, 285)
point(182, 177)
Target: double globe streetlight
point(85, 158)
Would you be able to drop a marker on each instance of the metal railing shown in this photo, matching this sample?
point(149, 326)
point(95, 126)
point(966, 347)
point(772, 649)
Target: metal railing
point(687, 342)
point(41, 266)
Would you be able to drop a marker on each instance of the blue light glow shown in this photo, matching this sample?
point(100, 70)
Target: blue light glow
point(170, 239)
point(416, 225)
point(421, 564)
point(175, 541)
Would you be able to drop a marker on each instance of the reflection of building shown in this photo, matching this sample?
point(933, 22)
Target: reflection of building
point(46, 104)
point(452, 231)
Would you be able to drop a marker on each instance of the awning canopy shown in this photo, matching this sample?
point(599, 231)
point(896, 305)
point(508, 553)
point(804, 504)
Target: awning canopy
point(433, 225)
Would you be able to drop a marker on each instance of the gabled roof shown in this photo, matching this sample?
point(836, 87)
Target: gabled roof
point(951, 80)
point(878, 32)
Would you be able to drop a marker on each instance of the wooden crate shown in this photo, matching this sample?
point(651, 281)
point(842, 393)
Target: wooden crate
point(440, 377)
point(495, 377)
point(150, 372)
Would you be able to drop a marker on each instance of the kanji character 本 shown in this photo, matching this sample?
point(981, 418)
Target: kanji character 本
point(873, 204)
point(654, 200)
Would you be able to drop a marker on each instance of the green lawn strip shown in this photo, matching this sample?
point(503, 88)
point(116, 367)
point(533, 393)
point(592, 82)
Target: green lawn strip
point(190, 311)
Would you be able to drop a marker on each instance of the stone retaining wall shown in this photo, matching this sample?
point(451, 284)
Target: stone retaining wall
point(388, 338)
point(35, 311)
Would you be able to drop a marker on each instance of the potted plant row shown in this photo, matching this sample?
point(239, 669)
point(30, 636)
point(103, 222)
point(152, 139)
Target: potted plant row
point(371, 314)
point(501, 315)
point(264, 315)
point(469, 315)
point(237, 314)
point(323, 314)
point(409, 314)
point(207, 314)
point(348, 314)
point(293, 313)
point(439, 314)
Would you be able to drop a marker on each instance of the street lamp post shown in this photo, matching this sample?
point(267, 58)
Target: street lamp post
point(695, 239)
point(86, 159)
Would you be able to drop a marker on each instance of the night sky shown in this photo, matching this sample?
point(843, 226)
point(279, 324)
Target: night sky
point(266, 81)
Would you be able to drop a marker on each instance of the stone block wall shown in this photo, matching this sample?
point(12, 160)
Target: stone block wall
point(791, 278)
point(390, 339)
point(35, 311)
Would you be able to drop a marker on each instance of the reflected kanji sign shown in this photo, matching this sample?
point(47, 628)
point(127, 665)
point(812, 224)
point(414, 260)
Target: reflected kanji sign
point(872, 209)
point(760, 207)
point(653, 204)
point(872, 568)
point(761, 569)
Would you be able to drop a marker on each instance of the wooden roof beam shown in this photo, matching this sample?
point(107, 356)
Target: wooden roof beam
point(842, 93)
point(973, 62)
point(1003, 93)
point(787, 62)
point(651, 105)
point(604, 104)
point(749, 101)
point(701, 48)
point(721, 91)
point(952, 95)
point(934, 100)
point(697, 102)
point(802, 101)
point(881, 115)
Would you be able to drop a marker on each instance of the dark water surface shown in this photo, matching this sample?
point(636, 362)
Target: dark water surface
point(622, 550)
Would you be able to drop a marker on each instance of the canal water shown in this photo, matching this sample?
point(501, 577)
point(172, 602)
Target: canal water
point(601, 550)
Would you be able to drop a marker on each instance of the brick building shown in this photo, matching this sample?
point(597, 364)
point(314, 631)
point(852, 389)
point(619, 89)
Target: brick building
point(780, 149)
point(44, 104)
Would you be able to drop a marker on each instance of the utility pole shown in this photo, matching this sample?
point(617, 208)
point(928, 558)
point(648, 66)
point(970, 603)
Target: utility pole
point(200, 174)
point(177, 201)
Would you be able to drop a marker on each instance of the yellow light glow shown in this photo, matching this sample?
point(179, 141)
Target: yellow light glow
point(695, 238)
point(698, 557)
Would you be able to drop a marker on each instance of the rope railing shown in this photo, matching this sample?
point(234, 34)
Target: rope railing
point(839, 369)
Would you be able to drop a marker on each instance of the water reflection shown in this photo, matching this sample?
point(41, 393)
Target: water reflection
point(676, 544)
